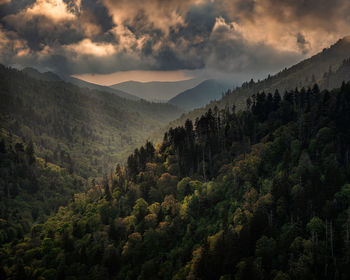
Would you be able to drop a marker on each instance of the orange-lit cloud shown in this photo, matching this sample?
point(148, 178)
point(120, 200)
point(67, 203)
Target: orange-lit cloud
point(159, 14)
point(290, 25)
point(56, 10)
point(226, 36)
point(87, 47)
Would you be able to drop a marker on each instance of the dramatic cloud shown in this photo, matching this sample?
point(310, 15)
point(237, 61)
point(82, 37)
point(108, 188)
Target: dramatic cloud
point(238, 37)
point(86, 47)
point(284, 24)
point(56, 10)
point(233, 51)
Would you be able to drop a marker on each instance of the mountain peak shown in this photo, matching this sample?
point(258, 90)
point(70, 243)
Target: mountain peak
point(29, 70)
point(346, 39)
point(316, 69)
point(45, 76)
point(342, 43)
point(200, 95)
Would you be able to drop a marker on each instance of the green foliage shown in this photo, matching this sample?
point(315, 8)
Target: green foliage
point(85, 131)
point(30, 188)
point(258, 194)
point(140, 209)
point(315, 227)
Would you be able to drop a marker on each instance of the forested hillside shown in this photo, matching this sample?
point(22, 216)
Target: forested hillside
point(31, 189)
point(50, 76)
point(77, 128)
point(257, 194)
point(325, 68)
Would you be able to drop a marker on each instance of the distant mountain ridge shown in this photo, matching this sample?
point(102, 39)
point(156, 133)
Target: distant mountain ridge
point(200, 95)
point(89, 85)
point(50, 76)
point(80, 129)
point(324, 68)
point(156, 91)
point(45, 76)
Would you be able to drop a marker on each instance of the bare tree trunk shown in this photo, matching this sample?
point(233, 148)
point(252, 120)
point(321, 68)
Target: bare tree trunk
point(205, 179)
point(347, 235)
point(326, 234)
point(8, 190)
point(331, 236)
point(99, 189)
point(210, 162)
point(270, 218)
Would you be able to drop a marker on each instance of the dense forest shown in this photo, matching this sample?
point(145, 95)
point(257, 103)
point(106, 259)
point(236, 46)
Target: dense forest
point(31, 189)
point(261, 193)
point(87, 131)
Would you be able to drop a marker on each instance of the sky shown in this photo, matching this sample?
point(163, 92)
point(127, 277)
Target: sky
point(167, 39)
point(137, 75)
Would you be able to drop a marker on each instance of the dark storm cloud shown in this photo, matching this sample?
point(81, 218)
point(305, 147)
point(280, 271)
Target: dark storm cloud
point(190, 41)
point(291, 10)
point(14, 7)
point(99, 13)
point(236, 36)
point(312, 12)
point(39, 31)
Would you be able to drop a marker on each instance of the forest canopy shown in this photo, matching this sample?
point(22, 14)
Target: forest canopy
point(256, 194)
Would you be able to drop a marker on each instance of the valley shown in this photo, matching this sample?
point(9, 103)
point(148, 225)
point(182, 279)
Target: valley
point(175, 140)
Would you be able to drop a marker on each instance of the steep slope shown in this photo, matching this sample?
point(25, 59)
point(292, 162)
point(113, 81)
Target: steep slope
point(332, 79)
point(77, 128)
point(303, 74)
point(259, 194)
point(156, 91)
point(31, 189)
point(200, 95)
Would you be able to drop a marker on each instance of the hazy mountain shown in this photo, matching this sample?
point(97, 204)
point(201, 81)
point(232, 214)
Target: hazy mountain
point(49, 76)
point(200, 95)
point(78, 128)
point(156, 91)
point(55, 136)
point(332, 79)
point(118, 92)
point(46, 76)
point(304, 74)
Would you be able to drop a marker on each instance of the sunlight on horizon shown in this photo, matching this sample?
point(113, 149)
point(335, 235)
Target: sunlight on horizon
point(136, 75)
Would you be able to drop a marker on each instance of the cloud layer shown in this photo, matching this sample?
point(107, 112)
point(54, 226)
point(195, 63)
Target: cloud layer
point(246, 37)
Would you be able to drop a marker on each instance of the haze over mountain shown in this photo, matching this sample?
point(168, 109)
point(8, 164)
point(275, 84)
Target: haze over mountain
point(200, 95)
point(82, 83)
point(91, 128)
point(327, 68)
point(49, 76)
point(156, 91)
point(45, 76)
